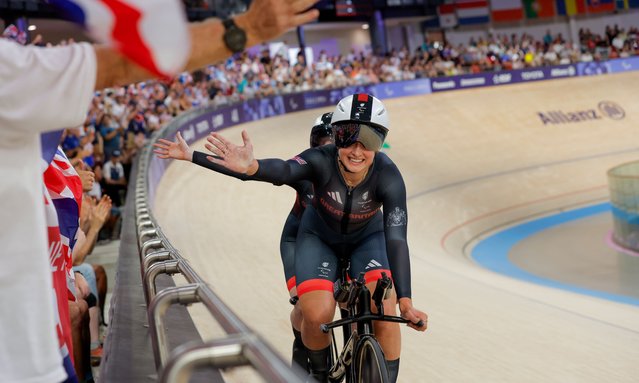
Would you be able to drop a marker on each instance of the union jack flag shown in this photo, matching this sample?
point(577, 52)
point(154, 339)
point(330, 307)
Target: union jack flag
point(62, 192)
point(153, 34)
point(58, 255)
point(65, 187)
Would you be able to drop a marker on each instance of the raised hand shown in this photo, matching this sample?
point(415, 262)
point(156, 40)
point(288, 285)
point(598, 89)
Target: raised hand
point(236, 158)
point(178, 150)
point(267, 19)
point(101, 212)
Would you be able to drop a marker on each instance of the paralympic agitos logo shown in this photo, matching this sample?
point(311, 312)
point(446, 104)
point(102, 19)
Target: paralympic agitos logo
point(606, 109)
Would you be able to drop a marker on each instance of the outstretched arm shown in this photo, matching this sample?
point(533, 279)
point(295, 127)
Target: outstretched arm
point(180, 150)
point(240, 159)
point(263, 21)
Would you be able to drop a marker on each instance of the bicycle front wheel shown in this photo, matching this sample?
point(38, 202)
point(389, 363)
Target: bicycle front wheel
point(369, 364)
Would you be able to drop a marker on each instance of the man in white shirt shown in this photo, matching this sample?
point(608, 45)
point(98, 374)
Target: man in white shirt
point(44, 89)
point(114, 180)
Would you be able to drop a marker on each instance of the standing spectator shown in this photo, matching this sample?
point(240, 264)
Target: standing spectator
point(111, 131)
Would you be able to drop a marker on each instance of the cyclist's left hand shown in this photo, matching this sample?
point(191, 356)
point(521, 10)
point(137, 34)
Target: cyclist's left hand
point(412, 314)
point(236, 158)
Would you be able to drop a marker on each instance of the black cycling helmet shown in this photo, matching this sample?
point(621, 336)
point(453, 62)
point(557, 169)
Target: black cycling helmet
point(322, 129)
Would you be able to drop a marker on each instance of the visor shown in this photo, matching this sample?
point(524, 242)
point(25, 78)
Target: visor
point(347, 134)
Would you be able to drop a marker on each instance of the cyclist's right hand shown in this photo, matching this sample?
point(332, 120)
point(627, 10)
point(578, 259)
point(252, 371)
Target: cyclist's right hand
point(414, 315)
point(178, 150)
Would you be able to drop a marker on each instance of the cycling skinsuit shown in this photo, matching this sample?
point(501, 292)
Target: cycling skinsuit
point(303, 198)
point(343, 222)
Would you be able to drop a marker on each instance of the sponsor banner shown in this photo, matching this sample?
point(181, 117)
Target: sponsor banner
point(592, 68)
point(536, 74)
point(474, 81)
point(316, 99)
point(623, 65)
point(334, 95)
point(443, 83)
point(604, 109)
point(501, 78)
point(294, 102)
point(257, 109)
point(563, 71)
point(401, 88)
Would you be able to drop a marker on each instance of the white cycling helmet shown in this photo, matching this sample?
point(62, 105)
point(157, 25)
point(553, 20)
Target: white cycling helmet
point(360, 117)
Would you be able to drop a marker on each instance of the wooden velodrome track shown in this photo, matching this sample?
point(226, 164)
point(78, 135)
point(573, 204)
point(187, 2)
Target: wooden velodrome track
point(474, 161)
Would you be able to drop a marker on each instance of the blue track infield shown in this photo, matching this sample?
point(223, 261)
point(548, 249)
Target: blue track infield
point(492, 252)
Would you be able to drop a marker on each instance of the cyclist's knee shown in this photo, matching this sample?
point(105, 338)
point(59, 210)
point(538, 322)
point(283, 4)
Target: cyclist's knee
point(317, 307)
point(296, 316)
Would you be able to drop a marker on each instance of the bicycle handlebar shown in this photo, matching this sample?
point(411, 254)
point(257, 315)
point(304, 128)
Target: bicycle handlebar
point(371, 317)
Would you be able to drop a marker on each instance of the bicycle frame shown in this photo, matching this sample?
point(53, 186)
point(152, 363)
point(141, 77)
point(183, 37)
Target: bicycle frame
point(358, 305)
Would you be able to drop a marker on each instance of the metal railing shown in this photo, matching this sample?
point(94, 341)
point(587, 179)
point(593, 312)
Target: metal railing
point(241, 346)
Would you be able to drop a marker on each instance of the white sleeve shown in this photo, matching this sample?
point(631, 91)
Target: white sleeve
point(45, 89)
point(106, 170)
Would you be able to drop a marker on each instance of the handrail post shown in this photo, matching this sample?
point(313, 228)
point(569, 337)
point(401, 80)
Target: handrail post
point(166, 267)
point(150, 244)
point(220, 353)
point(158, 305)
point(153, 257)
point(150, 233)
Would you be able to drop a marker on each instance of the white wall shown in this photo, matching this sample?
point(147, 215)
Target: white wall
point(345, 35)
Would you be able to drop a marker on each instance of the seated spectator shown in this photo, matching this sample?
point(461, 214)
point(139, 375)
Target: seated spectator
point(92, 218)
point(114, 178)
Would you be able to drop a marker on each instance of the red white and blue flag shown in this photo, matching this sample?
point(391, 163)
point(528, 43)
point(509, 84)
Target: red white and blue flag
point(447, 16)
point(65, 188)
point(471, 12)
point(57, 258)
point(154, 34)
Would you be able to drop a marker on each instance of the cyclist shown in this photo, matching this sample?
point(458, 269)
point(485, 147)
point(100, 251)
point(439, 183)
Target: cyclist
point(321, 134)
point(353, 181)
